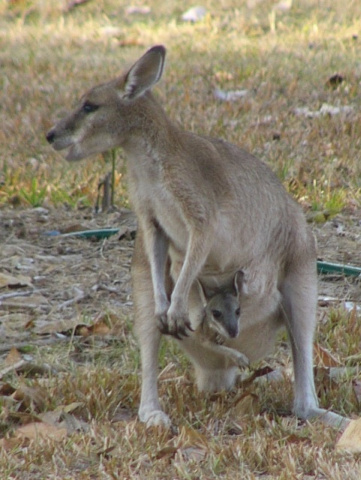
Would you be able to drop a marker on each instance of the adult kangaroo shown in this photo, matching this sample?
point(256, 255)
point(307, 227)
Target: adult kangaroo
point(206, 209)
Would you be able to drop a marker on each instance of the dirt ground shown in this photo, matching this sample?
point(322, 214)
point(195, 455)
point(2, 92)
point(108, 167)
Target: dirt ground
point(52, 283)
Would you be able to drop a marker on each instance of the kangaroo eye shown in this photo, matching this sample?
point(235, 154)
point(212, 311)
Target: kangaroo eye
point(216, 314)
point(238, 312)
point(89, 107)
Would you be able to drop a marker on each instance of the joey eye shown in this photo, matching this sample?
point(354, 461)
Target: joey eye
point(89, 107)
point(216, 314)
point(238, 312)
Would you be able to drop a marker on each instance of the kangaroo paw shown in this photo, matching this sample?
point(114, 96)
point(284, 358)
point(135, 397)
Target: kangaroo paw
point(177, 325)
point(156, 418)
point(242, 360)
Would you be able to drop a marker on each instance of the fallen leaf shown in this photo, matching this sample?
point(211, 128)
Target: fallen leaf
point(14, 356)
point(36, 430)
point(71, 327)
point(108, 452)
point(131, 42)
point(30, 302)
point(60, 418)
point(260, 372)
point(323, 357)
point(297, 439)
point(73, 424)
point(189, 437)
point(82, 331)
point(350, 440)
point(129, 234)
point(15, 322)
point(122, 415)
point(30, 397)
point(9, 444)
point(71, 407)
point(30, 370)
point(6, 389)
point(29, 324)
point(99, 328)
point(189, 445)
point(195, 453)
point(65, 326)
point(77, 227)
point(110, 319)
point(51, 417)
point(13, 366)
point(14, 282)
point(168, 451)
point(247, 404)
point(274, 376)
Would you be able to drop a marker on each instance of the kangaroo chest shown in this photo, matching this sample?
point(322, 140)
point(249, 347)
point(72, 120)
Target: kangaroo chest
point(150, 197)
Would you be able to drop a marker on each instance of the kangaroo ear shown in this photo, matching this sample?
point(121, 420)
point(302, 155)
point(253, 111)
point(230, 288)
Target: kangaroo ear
point(145, 73)
point(239, 282)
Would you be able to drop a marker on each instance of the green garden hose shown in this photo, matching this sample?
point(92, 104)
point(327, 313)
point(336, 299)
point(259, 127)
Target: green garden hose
point(322, 267)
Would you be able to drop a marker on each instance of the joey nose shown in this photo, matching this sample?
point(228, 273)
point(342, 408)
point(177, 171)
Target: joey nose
point(50, 136)
point(233, 332)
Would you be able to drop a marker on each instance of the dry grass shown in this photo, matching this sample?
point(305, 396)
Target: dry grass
point(48, 57)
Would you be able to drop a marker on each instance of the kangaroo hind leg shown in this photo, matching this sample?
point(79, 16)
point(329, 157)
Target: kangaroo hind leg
point(299, 301)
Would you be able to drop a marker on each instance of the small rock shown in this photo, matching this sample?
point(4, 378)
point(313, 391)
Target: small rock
point(140, 10)
point(41, 210)
point(229, 96)
point(335, 80)
point(111, 31)
point(194, 14)
point(283, 6)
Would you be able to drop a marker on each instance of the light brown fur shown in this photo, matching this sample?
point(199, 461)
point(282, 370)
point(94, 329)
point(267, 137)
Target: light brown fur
point(212, 333)
point(206, 209)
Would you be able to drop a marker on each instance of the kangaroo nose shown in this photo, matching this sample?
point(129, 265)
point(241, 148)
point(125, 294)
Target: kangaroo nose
point(50, 136)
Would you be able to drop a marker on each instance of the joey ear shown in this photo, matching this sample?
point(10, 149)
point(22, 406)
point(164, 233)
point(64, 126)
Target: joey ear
point(238, 281)
point(202, 292)
point(145, 73)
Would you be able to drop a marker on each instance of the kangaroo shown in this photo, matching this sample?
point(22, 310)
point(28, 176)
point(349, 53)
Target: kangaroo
point(221, 321)
point(221, 315)
point(206, 209)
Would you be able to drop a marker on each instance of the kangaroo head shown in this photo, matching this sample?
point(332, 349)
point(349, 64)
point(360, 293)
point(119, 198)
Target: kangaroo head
point(106, 115)
point(222, 307)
